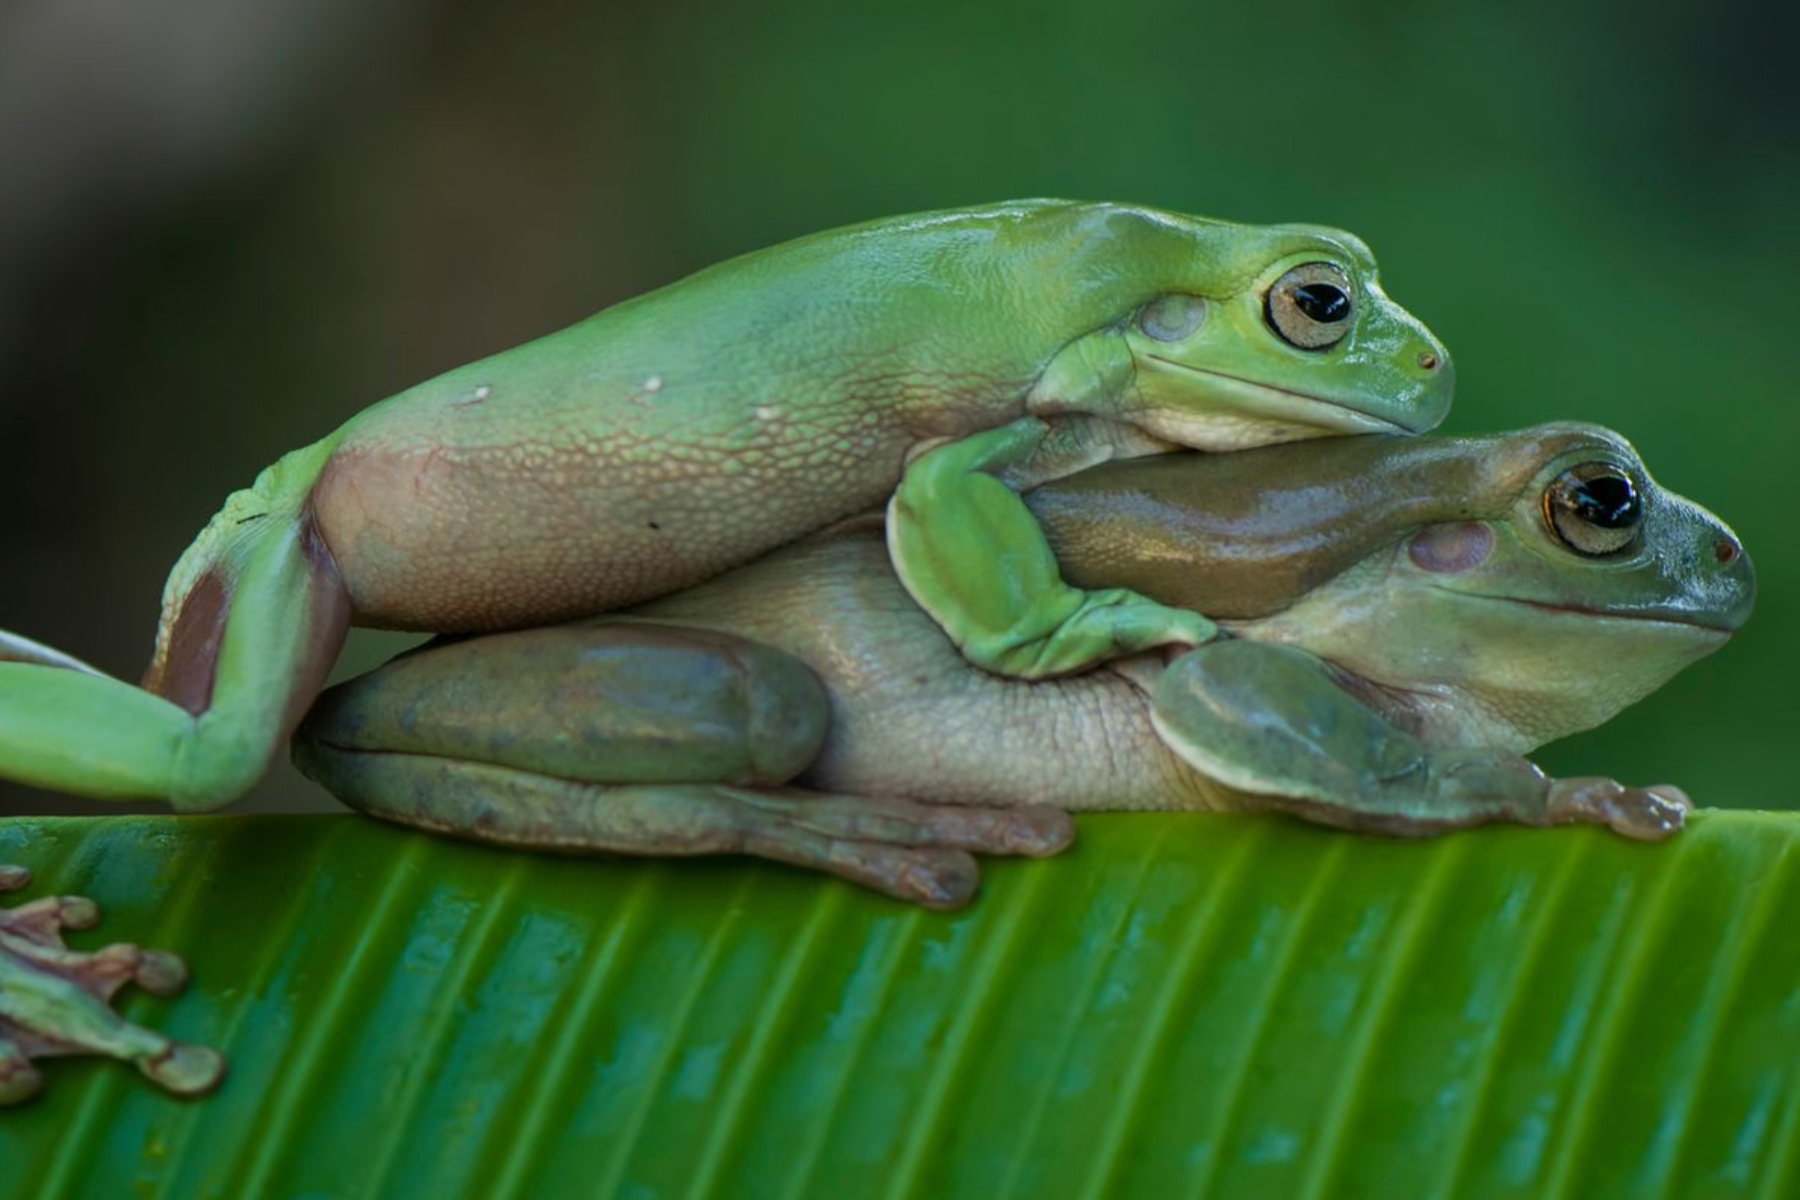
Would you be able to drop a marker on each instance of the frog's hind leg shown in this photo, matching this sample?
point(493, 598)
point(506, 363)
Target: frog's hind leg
point(253, 616)
point(636, 738)
point(1272, 722)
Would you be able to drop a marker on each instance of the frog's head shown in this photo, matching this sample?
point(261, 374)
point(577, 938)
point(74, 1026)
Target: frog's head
point(1570, 587)
point(1499, 591)
point(1276, 334)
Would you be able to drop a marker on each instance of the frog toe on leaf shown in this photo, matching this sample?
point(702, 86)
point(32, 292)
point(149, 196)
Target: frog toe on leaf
point(687, 431)
point(55, 1001)
point(1407, 618)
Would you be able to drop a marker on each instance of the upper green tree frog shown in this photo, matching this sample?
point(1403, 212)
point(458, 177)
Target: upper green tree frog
point(679, 434)
point(1408, 617)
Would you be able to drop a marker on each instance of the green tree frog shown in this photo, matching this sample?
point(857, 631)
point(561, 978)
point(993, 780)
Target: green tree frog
point(679, 434)
point(1408, 617)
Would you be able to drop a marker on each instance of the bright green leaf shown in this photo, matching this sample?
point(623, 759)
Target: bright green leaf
point(1182, 1006)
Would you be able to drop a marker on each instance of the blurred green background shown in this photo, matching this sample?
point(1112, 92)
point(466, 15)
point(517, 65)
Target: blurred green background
point(227, 224)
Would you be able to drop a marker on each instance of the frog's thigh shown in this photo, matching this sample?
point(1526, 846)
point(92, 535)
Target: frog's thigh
point(1269, 721)
point(618, 702)
point(635, 738)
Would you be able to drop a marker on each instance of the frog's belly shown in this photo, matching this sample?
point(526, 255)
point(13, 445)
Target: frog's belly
point(910, 717)
point(450, 540)
point(965, 737)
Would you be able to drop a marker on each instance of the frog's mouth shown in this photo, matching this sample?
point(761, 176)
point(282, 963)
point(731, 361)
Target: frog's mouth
point(1242, 398)
point(1706, 625)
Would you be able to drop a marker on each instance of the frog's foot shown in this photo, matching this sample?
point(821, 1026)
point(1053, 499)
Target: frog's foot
point(1272, 722)
point(55, 1001)
point(917, 852)
point(1648, 814)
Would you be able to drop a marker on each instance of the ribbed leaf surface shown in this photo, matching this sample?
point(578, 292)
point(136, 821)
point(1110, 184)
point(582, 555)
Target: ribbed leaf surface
point(1183, 1006)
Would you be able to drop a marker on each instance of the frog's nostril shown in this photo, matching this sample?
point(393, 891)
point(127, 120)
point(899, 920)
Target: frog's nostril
point(1726, 551)
point(1427, 360)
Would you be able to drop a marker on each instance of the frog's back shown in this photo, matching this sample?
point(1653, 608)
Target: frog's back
point(448, 521)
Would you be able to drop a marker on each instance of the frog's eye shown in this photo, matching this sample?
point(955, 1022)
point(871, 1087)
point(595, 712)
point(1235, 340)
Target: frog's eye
point(1171, 318)
point(1593, 509)
point(1310, 306)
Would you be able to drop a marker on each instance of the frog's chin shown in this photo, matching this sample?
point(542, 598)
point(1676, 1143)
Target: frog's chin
point(1538, 673)
point(1243, 413)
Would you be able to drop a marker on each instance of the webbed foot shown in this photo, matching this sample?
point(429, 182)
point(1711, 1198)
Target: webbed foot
point(1272, 721)
point(921, 853)
point(55, 1001)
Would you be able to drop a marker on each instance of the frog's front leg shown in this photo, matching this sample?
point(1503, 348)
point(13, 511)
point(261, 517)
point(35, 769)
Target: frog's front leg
point(54, 1000)
point(1272, 721)
point(972, 555)
point(637, 738)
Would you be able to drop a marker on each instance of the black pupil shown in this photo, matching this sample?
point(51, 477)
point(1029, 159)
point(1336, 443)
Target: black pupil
point(1322, 302)
point(1608, 501)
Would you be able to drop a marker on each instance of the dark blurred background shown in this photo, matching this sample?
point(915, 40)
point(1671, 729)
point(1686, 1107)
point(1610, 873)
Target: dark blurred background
point(225, 225)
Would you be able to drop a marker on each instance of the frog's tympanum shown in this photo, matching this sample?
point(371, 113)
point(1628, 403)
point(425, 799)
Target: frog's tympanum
point(53, 1000)
point(1406, 617)
point(688, 431)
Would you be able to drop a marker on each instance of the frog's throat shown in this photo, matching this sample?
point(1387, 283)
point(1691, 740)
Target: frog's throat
point(1266, 400)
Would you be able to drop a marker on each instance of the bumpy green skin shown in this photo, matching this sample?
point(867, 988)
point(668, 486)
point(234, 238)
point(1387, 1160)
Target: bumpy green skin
point(682, 433)
point(1425, 627)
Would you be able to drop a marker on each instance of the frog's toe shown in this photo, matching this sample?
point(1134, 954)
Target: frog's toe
point(160, 972)
point(19, 1080)
point(1647, 814)
point(42, 921)
point(934, 878)
point(1035, 830)
point(185, 1070)
point(924, 853)
point(54, 1000)
point(73, 912)
point(1652, 813)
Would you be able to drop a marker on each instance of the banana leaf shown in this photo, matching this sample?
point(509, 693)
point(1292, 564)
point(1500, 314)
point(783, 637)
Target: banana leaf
point(1183, 1005)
